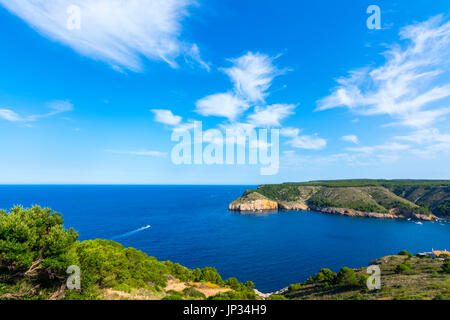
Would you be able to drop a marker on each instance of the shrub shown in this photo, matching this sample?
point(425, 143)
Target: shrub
point(36, 234)
point(173, 297)
point(403, 268)
point(193, 293)
point(441, 297)
point(347, 277)
point(446, 267)
point(211, 275)
point(325, 276)
point(233, 283)
point(277, 297)
point(235, 295)
point(405, 253)
point(107, 264)
point(295, 287)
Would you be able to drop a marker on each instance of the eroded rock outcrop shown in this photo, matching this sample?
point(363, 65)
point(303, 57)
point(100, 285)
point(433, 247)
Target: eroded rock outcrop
point(293, 206)
point(354, 213)
point(254, 205)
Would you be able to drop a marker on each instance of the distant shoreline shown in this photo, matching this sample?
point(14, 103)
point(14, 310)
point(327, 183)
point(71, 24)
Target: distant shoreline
point(383, 199)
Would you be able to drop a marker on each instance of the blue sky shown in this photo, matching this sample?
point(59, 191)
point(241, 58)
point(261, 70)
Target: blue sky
point(98, 104)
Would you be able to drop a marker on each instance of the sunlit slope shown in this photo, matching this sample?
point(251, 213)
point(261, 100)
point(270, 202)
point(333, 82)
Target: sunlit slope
point(398, 197)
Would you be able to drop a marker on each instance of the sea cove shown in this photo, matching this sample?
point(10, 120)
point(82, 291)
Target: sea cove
point(192, 225)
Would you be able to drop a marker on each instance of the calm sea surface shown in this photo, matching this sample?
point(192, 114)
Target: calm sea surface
point(191, 225)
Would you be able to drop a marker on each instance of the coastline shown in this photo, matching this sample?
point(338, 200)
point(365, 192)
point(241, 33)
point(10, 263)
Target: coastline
point(329, 210)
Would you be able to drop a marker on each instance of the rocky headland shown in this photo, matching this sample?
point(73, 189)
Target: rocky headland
point(381, 199)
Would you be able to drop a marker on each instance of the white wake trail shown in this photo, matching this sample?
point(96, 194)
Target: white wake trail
point(131, 232)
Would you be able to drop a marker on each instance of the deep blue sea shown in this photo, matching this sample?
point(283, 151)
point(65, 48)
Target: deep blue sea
point(192, 225)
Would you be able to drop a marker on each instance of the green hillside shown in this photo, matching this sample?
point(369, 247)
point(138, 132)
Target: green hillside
point(398, 197)
point(36, 250)
point(403, 277)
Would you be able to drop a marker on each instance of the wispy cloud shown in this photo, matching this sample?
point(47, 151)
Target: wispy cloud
point(117, 32)
point(225, 105)
point(426, 136)
point(148, 153)
point(166, 117)
point(10, 115)
point(351, 138)
point(390, 147)
point(271, 115)
point(252, 75)
point(428, 142)
point(412, 86)
point(295, 140)
point(56, 107)
point(193, 54)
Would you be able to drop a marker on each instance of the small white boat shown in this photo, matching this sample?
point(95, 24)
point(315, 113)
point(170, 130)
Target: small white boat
point(418, 222)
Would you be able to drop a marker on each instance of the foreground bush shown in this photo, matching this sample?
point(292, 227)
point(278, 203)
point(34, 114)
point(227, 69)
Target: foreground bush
point(36, 250)
point(37, 236)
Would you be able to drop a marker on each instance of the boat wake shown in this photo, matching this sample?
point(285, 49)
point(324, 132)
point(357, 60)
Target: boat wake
point(124, 235)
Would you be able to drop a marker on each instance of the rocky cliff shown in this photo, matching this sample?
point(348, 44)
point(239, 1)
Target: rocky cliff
point(372, 201)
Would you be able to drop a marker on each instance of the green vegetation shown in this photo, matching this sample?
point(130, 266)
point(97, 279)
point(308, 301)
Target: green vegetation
point(446, 267)
point(244, 293)
point(36, 250)
point(374, 183)
point(250, 195)
point(403, 277)
point(277, 297)
point(193, 293)
point(405, 253)
point(400, 197)
point(348, 278)
point(325, 277)
point(295, 287)
point(404, 268)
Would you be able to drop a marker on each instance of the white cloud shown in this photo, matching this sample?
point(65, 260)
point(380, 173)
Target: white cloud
point(412, 86)
point(57, 107)
point(311, 142)
point(271, 115)
point(149, 153)
point(308, 142)
point(389, 147)
point(186, 126)
point(429, 142)
point(351, 138)
point(194, 54)
point(114, 31)
point(433, 151)
point(252, 75)
point(221, 104)
point(166, 117)
point(290, 132)
point(10, 115)
point(426, 136)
